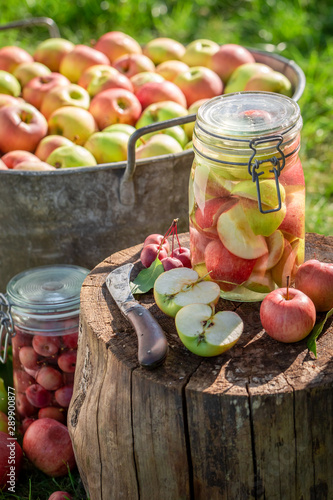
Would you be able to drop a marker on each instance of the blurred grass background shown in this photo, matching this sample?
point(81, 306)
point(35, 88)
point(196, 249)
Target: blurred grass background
point(301, 30)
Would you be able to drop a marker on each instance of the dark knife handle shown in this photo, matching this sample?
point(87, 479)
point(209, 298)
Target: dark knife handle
point(152, 343)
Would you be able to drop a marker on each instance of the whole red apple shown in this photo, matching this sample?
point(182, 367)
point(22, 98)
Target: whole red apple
point(100, 77)
point(51, 51)
point(39, 86)
point(131, 64)
point(22, 126)
point(152, 92)
point(287, 314)
point(198, 83)
point(79, 59)
point(115, 44)
point(13, 158)
point(49, 143)
point(115, 106)
point(48, 446)
point(11, 56)
point(11, 457)
point(228, 58)
point(315, 279)
point(60, 495)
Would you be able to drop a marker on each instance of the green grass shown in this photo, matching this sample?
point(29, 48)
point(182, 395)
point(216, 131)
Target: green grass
point(297, 29)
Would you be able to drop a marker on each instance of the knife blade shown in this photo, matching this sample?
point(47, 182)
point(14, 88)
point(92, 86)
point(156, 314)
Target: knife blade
point(152, 342)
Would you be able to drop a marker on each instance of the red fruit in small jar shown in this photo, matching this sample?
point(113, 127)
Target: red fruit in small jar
point(25, 424)
point(63, 395)
point(184, 255)
point(70, 340)
point(45, 346)
point(22, 380)
point(28, 357)
point(53, 412)
point(38, 396)
point(150, 252)
point(49, 378)
point(171, 263)
point(67, 361)
point(60, 495)
point(24, 407)
point(157, 238)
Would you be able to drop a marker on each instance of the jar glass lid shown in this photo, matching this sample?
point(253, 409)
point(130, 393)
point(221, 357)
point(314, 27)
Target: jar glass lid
point(47, 288)
point(248, 114)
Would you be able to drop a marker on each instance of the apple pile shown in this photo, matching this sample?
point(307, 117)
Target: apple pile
point(43, 371)
point(68, 105)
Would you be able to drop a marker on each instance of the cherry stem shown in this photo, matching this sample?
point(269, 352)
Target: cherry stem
point(288, 278)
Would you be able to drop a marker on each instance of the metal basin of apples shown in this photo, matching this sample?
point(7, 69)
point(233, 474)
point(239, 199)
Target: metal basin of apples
point(81, 215)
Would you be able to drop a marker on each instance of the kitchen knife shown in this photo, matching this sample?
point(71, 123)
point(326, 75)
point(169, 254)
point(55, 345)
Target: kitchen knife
point(152, 343)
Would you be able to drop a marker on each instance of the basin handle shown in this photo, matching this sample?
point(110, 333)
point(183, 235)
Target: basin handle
point(127, 194)
point(34, 21)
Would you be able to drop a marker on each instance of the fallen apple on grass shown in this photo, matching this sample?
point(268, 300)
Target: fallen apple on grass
point(179, 287)
point(48, 446)
point(315, 279)
point(287, 314)
point(205, 332)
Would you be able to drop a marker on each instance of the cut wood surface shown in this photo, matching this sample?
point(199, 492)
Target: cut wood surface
point(253, 423)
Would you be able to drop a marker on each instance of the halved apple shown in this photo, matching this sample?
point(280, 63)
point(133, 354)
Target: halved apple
point(293, 223)
point(227, 267)
point(206, 333)
point(237, 236)
point(268, 191)
point(286, 265)
point(181, 286)
point(206, 216)
point(262, 223)
point(275, 245)
point(210, 184)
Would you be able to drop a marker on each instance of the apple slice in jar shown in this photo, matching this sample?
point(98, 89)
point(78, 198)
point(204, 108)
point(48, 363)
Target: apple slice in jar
point(205, 332)
point(237, 236)
point(286, 265)
point(227, 267)
point(207, 215)
point(293, 223)
point(262, 223)
point(181, 286)
point(268, 191)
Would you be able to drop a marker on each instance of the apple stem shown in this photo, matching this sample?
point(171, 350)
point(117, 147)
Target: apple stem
point(288, 278)
point(203, 277)
point(170, 231)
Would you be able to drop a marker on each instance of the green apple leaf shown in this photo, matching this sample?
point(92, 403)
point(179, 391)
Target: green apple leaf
point(317, 329)
point(146, 278)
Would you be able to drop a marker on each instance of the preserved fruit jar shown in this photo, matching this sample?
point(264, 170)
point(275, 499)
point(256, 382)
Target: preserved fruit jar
point(247, 193)
point(44, 307)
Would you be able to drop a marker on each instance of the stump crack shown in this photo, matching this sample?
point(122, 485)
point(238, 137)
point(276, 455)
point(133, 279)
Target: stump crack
point(257, 480)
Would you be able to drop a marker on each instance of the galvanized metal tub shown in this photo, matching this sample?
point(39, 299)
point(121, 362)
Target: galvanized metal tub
point(80, 216)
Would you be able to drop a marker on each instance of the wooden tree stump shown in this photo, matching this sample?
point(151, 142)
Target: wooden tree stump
point(253, 423)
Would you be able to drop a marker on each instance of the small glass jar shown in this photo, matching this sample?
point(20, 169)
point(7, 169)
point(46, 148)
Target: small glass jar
point(44, 307)
point(247, 193)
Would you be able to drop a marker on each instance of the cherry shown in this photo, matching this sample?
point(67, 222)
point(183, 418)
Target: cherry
point(171, 263)
point(157, 238)
point(184, 255)
point(150, 252)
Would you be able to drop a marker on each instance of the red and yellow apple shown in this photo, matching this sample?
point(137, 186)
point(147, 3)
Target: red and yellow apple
point(115, 106)
point(76, 124)
point(199, 82)
point(74, 63)
point(115, 44)
point(51, 51)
